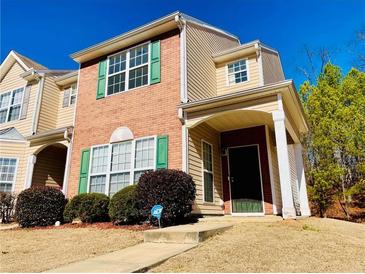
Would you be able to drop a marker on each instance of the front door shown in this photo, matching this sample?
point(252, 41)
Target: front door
point(245, 179)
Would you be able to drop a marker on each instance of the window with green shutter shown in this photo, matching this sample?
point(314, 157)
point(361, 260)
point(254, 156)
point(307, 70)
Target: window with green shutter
point(100, 93)
point(84, 170)
point(155, 63)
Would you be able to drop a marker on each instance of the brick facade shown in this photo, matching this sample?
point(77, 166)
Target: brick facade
point(149, 110)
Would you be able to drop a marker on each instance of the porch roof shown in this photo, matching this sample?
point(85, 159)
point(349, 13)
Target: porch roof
point(285, 88)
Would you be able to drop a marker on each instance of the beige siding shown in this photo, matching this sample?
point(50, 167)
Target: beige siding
point(253, 77)
point(65, 114)
point(293, 177)
point(201, 44)
point(11, 81)
point(18, 151)
point(49, 106)
point(208, 134)
point(275, 171)
point(272, 69)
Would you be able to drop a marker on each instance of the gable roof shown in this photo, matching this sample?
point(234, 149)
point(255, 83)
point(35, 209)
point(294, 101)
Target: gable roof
point(144, 32)
point(29, 62)
point(10, 133)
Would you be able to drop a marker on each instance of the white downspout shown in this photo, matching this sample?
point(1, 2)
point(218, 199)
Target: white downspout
point(37, 104)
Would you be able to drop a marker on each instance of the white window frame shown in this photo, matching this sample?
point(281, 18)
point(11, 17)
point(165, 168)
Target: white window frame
point(15, 171)
point(132, 169)
point(10, 105)
point(72, 94)
point(228, 74)
point(208, 171)
point(127, 69)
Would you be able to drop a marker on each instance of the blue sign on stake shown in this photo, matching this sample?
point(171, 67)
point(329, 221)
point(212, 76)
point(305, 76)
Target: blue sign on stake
point(156, 212)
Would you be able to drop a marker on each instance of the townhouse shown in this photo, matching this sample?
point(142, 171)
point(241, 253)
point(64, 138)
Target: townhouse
point(179, 93)
point(36, 116)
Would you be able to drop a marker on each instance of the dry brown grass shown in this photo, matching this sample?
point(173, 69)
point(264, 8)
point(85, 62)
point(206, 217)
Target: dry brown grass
point(310, 245)
point(35, 250)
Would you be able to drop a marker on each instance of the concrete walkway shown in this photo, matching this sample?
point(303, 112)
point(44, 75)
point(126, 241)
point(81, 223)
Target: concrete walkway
point(132, 259)
point(8, 226)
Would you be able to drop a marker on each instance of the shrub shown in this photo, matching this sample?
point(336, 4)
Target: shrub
point(40, 206)
point(173, 189)
point(89, 207)
point(7, 203)
point(123, 206)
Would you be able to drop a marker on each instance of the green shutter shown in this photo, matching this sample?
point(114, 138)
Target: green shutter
point(100, 93)
point(155, 75)
point(162, 152)
point(84, 170)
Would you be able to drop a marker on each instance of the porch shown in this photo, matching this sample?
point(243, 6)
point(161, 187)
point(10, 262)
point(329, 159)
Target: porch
point(245, 155)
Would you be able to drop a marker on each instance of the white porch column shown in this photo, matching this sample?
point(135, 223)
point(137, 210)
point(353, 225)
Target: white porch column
point(67, 170)
point(288, 210)
point(29, 173)
point(303, 197)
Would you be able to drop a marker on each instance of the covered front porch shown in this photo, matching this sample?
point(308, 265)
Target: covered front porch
point(244, 153)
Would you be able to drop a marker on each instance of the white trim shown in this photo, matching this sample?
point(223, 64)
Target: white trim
point(205, 170)
point(12, 141)
point(261, 69)
point(67, 169)
point(15, 170)
point(268, 147)
point(128, 69)
point(32, 159)
point(228, 84)
point(37, 104)
point(185, 148)
point(183, 63)
point(262, 188)
point(132, 169)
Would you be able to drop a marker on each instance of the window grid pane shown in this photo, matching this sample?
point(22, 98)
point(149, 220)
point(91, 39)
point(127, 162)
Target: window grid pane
point(118, 181)
point(237, 72)
point(7, 174)
point(99, 160)
point(10, 104)
point(138, 77)
point(121, 156)
point(144, 154)
point(138, 56)
point(97, 183)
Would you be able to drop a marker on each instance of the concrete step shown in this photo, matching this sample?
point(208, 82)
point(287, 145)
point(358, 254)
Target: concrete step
point(185, 234)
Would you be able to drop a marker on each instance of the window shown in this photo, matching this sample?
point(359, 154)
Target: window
point(73, 94)
point(207, 171)
point(7, 173)
point(237, 72)
point(128, 69)
point(120, 164)
point(10, 105)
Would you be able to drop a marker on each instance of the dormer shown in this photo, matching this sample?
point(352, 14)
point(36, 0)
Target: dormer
point(247, 66)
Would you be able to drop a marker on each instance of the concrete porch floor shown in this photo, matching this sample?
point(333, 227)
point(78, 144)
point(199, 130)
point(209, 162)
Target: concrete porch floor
point(240, 219)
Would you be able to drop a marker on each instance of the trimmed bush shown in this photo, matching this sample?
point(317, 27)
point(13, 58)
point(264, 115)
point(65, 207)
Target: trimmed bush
point(89, 207)
point(123, 206)
point(7, 204)
point(173, 189)
point(41, 206)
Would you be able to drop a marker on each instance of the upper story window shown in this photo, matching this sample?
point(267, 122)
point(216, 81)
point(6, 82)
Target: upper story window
point(115, 166)
point(69, 96)
point(10, 105)
point(7, 173)
point(128, 69)
point(237, 72)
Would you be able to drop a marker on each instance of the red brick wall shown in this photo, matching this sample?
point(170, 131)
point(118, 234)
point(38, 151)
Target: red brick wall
point(150, 110)
point(241, 137)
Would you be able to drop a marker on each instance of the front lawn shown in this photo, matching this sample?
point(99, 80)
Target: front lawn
point(309, 245)
point(35, 250)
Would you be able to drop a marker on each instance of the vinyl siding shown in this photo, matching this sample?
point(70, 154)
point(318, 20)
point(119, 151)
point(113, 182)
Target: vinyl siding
point(275, 172)
point(201, 44)
point(11, 81)
point(293, 178)
point(272, 70)
point(65, 114)
point(49, 106)
point(253, 76)
point(208, 134)
point(16, 150)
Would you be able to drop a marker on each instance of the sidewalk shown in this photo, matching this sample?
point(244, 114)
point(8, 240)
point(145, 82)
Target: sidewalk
point(132, 259)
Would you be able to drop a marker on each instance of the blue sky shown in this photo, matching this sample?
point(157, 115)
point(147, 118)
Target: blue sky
point(49, 31)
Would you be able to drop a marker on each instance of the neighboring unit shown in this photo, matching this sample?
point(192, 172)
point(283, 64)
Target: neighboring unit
point(37, 108)
point(179, 93)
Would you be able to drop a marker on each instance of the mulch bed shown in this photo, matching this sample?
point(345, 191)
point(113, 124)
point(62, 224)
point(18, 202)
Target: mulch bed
point(104, 225)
